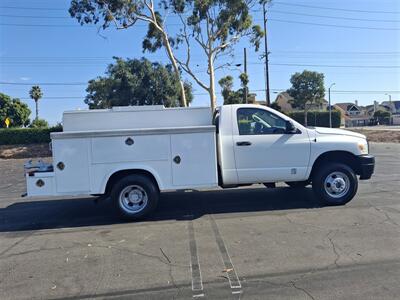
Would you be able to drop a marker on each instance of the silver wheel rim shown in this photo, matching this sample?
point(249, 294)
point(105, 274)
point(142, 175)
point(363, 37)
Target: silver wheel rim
point(337, 184)
point(133, 199)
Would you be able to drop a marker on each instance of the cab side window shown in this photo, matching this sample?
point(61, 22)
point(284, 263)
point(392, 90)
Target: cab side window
point(254, 121)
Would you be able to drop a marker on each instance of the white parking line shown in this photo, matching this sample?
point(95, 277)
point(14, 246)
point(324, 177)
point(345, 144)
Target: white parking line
point(233, 278)
point(197, 281)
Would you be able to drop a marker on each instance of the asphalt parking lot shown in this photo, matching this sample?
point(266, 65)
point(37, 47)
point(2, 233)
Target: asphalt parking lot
point(248, 243)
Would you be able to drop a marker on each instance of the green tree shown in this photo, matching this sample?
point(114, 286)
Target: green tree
point(276, 106)
point(234, 97)
point(17, 111)
point(307, 89)
point(383, 117)
point(136, 82)
point(214, 26)
point(36, 94)
point(39, 123)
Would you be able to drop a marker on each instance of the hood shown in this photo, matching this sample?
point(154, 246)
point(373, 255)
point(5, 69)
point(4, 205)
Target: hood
point(324, 130)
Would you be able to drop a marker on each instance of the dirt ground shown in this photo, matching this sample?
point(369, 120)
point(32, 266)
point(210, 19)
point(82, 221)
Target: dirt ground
point(380, 136)
point(24, 151)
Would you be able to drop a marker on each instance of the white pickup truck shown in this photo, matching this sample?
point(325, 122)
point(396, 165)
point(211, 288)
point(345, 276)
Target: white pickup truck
point(131, 154)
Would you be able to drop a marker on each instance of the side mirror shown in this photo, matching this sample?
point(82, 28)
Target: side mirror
point(290, 128)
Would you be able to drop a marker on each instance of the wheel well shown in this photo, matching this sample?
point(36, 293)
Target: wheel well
point(347, 158)
point(123, 173)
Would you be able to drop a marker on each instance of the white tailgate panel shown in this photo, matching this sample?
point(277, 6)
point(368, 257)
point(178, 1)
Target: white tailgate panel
point(144, 148)
point(74, 154)
point(198, 159)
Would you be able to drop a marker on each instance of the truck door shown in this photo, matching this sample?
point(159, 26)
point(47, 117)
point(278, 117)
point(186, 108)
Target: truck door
point(264, 152)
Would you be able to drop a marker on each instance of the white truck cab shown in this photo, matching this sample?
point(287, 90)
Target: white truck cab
point(131, 154)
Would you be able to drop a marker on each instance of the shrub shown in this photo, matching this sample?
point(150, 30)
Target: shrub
point(317, 118)
point(39, 123)
point(13, 136)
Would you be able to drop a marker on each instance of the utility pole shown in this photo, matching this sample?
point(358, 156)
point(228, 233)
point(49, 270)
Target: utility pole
point(267, 96)
point(390, 104)
point(245, 72)
point(330, 106)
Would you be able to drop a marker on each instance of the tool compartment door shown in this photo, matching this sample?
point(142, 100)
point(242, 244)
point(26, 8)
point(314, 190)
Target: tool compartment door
point(71, 165)
point(194, 161)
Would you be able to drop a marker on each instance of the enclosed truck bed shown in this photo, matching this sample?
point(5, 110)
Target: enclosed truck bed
point(85, 156)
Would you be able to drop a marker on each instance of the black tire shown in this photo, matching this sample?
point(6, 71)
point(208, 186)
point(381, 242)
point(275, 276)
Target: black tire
point(140, 199)
point(298, 184)
point(330, 194)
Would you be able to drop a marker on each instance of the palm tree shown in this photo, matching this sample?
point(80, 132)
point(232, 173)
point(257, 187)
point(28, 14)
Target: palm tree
point(36, 94)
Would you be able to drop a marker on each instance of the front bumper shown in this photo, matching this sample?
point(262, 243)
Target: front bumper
point(366, 166)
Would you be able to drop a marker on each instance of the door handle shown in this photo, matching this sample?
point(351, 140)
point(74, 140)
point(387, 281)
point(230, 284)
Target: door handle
point(243, 143)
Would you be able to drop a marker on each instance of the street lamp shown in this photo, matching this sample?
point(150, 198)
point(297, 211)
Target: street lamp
point(330, 107)
point(390, 98)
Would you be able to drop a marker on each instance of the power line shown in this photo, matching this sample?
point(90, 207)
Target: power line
point(294, 62)
point(334, 66)
point(87, 64)
point(35, 17)
point(176, 24)
point(45, 25)
point(332, 17)
point(43, 83)
point(384, 60)
point(338, 9)
point(337, 52)
point(252, 90)
point(33, 8)
point(339, 92)
point(275, 3)
point(55, 98)
point(272, 11)
point(68, 26)
point(332, 25)
point(273, 51)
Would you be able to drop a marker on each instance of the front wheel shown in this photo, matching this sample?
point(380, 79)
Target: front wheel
point(135, 196)
point(335, 184)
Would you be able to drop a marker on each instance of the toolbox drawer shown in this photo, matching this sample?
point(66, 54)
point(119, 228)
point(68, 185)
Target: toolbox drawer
point(40, 184)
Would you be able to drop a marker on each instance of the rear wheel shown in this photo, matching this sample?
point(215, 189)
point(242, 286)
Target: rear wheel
point(135, 196)
point(298, 184)
point(335, 184)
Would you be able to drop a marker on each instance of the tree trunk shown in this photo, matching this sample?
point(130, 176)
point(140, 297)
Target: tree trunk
point(213, 98)
point(305, 116)
point(37, 108)
point(176, 69)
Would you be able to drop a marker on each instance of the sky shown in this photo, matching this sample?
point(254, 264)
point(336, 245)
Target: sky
point(355, 43)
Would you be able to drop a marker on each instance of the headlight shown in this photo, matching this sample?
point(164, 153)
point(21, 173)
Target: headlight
point(363, 147)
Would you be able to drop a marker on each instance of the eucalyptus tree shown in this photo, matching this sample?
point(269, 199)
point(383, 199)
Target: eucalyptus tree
point(124, 14)
point(214, 26)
